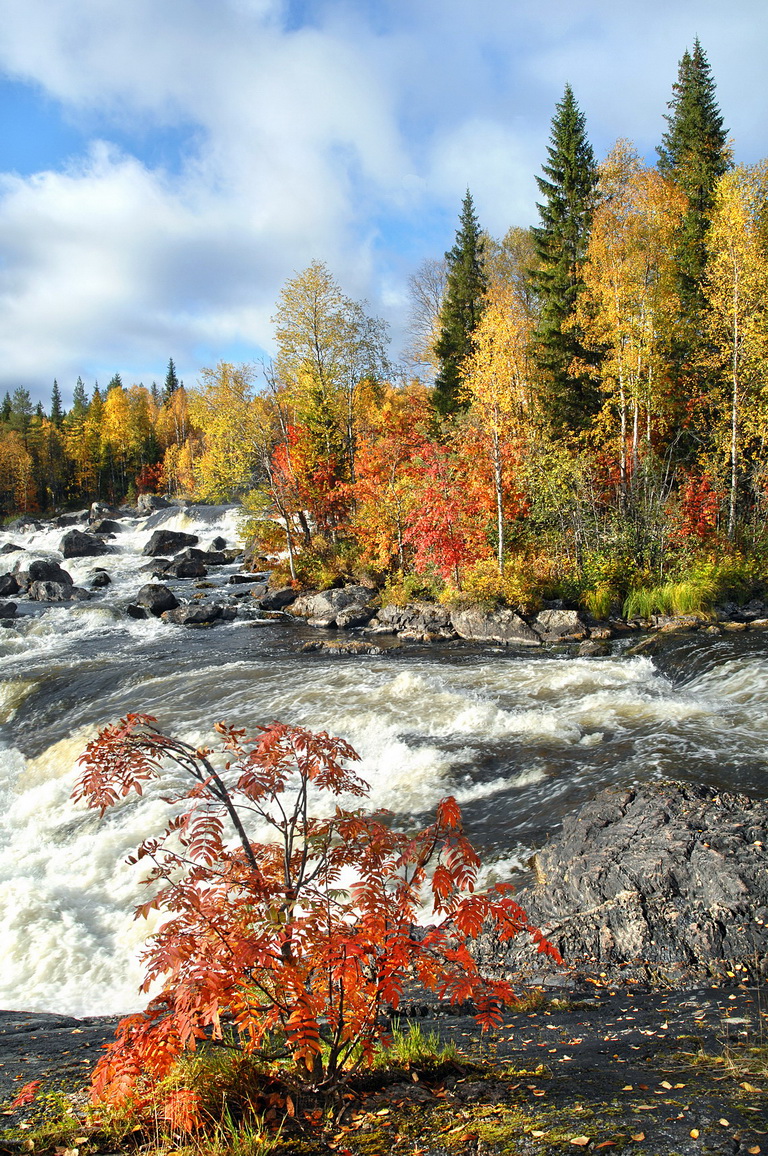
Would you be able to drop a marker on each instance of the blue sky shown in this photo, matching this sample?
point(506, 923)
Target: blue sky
point(166, 165)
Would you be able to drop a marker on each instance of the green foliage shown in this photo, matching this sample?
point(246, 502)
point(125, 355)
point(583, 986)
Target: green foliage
point(694, 588)
point(462, 308)
point(412, 1045)
point(404, 587)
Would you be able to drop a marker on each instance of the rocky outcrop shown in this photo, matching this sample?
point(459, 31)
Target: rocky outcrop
point(168, 542)
point(106, 526)
point(40, 570)
point(156, 599)
point(148, 503)
point(344, 608)
point(351, 646)
point(78, 544)
point(416, 621)
point(660, 882)
point(560, 626)
point(502, 626)
point(277, 599)
point(8, 585)
point(200, 614)
point(56, 592)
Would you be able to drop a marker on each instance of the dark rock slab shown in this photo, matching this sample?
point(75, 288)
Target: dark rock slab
point(156, 598)
point(666, 882)
point(106, 526)
point(277, 599)
point(40, 570)
point(8, 585)
point(502, 626)
point(416, 620)
point(11, 548)
point(78, 544)
point(148, 503)
point(7, 609)
point(200, 614)
point(341, 648)
point(168, 542)
point(99, 579)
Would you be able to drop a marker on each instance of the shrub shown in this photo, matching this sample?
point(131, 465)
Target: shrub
point(306, 939)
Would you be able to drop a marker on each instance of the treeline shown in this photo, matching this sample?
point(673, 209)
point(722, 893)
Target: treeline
point(598, 417)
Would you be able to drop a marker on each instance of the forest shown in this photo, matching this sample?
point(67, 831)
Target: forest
point(581, 412)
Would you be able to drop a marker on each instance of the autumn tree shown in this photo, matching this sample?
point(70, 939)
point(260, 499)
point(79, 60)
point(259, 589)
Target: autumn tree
point(568, 189)
point(736, 290)
point(462, 307)
point(310, 936)
point(426, 292)
point(235, 427)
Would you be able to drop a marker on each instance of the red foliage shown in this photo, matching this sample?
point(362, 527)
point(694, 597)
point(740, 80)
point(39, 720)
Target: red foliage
point(26, 1094)
point(448, 527)
point(310, 936)
point(699, 507)
point(151, 479)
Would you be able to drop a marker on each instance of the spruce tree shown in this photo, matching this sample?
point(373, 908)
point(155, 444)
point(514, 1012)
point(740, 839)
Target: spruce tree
point(694, 154)
point(462, 307)
point(171, 380)
point(79, 399)
point(568, 188)
point(57, 413)
point(7, 408)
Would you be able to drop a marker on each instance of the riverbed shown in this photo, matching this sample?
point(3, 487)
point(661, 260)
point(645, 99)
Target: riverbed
point(520, 738)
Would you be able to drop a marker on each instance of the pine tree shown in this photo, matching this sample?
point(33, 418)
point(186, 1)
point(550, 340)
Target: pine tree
point(57, 413)
point(171, 380)
point(694, 154)
point(568, 187)
point(79, 399)
point(462, 308)
point(7, 408)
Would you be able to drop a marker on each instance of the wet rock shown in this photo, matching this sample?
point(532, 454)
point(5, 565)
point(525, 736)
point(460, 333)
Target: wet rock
point(592, 648)
point(100, 510)
point(560, 626)
point(218, 543)
point(662, 882)
point(44, 591)
point(205, 557)
point(40, 570)
point(350, 647)
point(25, 522)
point(200, 614)
point(10, 548)
point(156, 598)
point(185, 568)
point(134, 611)
point(106, 526)
point(148, 503)
point(65, 520)
point(503, 626)
point(99, 579)
point(78, 544)
point(7, 609)
point(8, 585)
point(419, 618)
point(278, 599)
point(241, 579)
point(348, 606)
point(168, 542)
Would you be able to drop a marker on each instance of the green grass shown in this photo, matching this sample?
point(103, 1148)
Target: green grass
point(414, 1046)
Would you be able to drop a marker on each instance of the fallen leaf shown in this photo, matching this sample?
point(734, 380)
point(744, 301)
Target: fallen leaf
point(581, 1141)
point(538, 1134)
point(606, 1144)
point(749, 1087)
point(725, 1123)
point(665, 1084)
point(754, 1150)
point(638, 1136)
point(468, 1136)
point(290, 1107)
point(694, 1133)
point(627, 1088)
point(383, 1112)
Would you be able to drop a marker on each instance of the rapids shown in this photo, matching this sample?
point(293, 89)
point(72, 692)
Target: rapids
point(519, 738)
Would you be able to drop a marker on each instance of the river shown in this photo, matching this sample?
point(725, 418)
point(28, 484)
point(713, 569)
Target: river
point(520, 738)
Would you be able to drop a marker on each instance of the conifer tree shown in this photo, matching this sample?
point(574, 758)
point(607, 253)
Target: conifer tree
point(57, 413)
point(7, 408)
point(79, 399)
point(171, 380)
point(568, 187)
point(694, 154)
point(462, 308)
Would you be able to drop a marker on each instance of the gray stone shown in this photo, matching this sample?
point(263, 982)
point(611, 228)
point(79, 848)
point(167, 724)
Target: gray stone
point(200, 614)
point(7, 609)
point(661, 882)
point(504, 626)
point(560, 626)
point(218, 543)
point(148, 503)
point(77, 544)
point(592, 648)
point(10, 548)
point(278, 599)
point(419, 618)
point(156, 598)
point(46, 591)
point(106, 526)
point(8, 585)
point(40, 570)
point(99, 579)
point(350, 605)
point(168, 542)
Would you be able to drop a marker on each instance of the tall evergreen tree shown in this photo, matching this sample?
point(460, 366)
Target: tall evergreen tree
point(568, 188)
point(171, 380)
point(462, 307)
point(7, 408)
point(79, 399)
point(115, 383)
point(57, 413)
point(694, 154)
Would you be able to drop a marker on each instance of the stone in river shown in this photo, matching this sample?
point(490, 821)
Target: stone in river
point(156, 598)
point(8, 585)
point(7, 609)
point(167, 542)
point(99, 578)
point(504, 626)
point(77, 544)
point(560, 626)
point(56, 592)
point(200, 614)
point(40, 570)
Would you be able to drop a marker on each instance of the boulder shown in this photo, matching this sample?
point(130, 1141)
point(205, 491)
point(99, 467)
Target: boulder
point(44, 591)
point(77, 544)
point(200, 614)
point(593, 648)
point(168, 542)
point(218, 543)
point(8, 585)
point(106, 526)
point(156, 598)
point(100, 510)
point(185, 568)
point(348, 606)
point(341, 648)
point(99, 579)
point(40, 570)
point(10, 548)
point(148, 503)
point(560, 626)
point(277, 599)
point(206, 557)
point(503, 626)
point(663, 882)
point(25, 522)
point(65, 520)
point(7, 609)
point(416, 619)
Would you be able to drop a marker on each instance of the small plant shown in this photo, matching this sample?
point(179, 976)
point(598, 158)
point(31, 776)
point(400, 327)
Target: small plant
point(412, 1045)
point(303, 941)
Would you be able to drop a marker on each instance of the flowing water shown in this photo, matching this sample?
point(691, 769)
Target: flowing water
point(519, 738)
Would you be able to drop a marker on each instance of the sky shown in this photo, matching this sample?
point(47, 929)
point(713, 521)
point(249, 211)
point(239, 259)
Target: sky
point(167, 165)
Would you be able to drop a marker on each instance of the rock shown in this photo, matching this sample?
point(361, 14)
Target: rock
point(504, 626)
point(77, 544)
point(40, 570)
point(25, 522)
point(134, 611)
point(148, 503)
point(10, 548)
point(218, 543)
point(200, 614)
point(206, 557)
point(237, 579)
point(45, 591)
point(592, 648)
point(278, 599)
point(186, 568)
point(65, 520)
point(168, 542)
point(7, 609)
point(106, 526)
point(350, 647)
point(419, 618)
point(100, 510)
point(560, 626)
point(99, 579)
point(8, 585)
point(660, 882)
point(348, 606)
point(156, 598)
